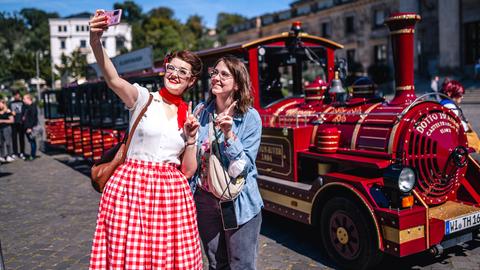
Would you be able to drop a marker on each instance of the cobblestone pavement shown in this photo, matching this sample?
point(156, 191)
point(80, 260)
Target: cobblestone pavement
point(48, 211)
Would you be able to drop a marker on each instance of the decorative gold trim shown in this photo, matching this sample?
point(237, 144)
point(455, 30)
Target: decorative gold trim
point(280, 166)
point(373, 137)
point(286, 201)
point(403, 17)
point(314, 135)
point(372, 147)
point(328, 137)
point(377, 128)
point(392, 137)
point(402, 236)
point(278, 111)
point(403, 31)
point(405, 88)
point(286, 34)
point(427, 219)
point(359, 125)
point(356, 193)
point(314, 98)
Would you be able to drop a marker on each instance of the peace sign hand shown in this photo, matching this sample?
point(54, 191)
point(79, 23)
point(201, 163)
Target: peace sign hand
point(225, 121)
point(191, 125)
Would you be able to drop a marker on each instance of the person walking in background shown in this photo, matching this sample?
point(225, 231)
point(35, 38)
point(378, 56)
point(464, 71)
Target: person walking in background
point(229, 120)
point(18, 135)
point(477, 69)
point(434, 85)
point(6, 121)
point(30, 124)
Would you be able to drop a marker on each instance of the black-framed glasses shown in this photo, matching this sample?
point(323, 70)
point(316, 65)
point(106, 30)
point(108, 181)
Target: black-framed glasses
point(182, 73)
point(212, 72)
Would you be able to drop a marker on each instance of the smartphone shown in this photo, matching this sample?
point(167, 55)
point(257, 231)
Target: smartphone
point(229, 219)
point(113, 16)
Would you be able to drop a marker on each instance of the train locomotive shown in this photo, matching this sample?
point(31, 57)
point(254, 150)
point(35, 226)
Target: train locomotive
point(376, 176)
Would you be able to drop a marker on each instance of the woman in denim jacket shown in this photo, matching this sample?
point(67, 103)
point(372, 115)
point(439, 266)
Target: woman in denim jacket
point(238, 127)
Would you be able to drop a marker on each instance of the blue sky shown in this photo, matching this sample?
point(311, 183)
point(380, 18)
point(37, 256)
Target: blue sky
point(208, 9)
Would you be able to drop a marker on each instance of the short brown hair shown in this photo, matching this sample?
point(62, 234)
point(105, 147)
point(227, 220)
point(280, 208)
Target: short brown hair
point(241, 77)
point(188, 57)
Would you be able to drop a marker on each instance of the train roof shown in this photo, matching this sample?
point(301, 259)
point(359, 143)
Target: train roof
point(266, 40)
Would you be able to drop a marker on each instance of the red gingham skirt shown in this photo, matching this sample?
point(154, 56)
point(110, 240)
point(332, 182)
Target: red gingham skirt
point(146, 220)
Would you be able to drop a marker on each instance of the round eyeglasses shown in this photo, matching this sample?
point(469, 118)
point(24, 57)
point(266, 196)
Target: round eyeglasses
point(182, 73)
point(212, 72)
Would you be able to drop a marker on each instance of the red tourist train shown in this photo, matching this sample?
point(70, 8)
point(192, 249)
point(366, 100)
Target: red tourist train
point(377, 176)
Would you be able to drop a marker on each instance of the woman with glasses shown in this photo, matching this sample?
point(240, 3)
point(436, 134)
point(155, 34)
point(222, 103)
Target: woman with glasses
point(237, 129)
point(147, 216)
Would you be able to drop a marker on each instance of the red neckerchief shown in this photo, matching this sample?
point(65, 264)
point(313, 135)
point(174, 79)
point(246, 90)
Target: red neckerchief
point(177, 101)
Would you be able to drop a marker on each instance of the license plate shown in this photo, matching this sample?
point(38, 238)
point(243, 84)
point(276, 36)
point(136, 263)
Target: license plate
point(462, 223)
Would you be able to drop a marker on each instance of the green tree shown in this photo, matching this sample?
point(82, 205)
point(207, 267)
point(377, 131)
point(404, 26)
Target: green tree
point(131, 11)
point(73, 66)
point(224, 22)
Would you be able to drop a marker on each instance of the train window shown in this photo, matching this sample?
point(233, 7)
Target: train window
point(283, 73)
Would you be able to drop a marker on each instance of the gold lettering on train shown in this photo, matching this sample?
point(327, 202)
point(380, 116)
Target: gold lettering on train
point(439, 120)
point(343, 113)
point(272, 154)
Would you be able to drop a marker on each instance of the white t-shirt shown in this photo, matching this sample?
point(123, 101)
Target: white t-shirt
point(157, 138)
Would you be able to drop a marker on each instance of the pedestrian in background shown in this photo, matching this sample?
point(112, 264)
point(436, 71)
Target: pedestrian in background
point(435, 85)
point(477, 69)
point(6, 121)
point(229, 119)
point(30, 124)
point(18, 135)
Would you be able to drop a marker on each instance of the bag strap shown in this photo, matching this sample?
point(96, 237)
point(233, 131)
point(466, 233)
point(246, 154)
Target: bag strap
point(137, 121)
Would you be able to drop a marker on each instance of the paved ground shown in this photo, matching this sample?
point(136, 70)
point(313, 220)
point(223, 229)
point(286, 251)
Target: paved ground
point(48, 212)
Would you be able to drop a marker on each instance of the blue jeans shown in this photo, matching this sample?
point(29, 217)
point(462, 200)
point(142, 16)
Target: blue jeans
point(33, 144)
point(232, 249)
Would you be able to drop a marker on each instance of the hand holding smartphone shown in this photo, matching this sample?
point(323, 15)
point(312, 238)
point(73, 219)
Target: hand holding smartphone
point(114, 16)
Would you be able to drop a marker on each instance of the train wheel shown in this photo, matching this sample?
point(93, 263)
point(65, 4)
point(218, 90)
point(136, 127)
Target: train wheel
point(347, 236)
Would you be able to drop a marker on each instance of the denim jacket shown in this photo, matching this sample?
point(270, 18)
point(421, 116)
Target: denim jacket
point(248, 130)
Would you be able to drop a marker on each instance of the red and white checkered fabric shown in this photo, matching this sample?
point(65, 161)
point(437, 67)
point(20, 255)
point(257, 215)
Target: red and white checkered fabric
point(146, 220)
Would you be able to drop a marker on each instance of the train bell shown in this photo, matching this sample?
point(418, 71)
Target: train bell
point(337, 92)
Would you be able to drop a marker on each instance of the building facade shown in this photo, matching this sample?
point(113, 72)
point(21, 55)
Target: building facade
point(447, 37)
point(72, 33)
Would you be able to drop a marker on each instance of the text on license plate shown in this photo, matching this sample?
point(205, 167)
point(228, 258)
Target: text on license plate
point(461, 223)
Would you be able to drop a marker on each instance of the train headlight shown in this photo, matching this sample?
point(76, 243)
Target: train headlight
point(406, 180)
point(400, 178)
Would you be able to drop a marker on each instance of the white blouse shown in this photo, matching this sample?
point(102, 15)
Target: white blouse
point(157, 138)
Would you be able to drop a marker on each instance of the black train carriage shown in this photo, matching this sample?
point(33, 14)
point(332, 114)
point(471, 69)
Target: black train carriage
point(91, 116)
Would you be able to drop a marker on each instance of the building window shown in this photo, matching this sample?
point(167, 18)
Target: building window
point(83, 43)
point(59, 28)
point(351, 57)
point(64, 28)
point(120, 43)
point(378, 17)
point(83, 28)
point(62, 44)
point(88, 28)
point(349, 27)
point(104, 42)
point(285, 15)
point(267, 20)
point(380, 54)
point(472, 42)
point(78, 28)
point(326, 30)
point(303, 10)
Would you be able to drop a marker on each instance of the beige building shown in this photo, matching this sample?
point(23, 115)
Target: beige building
point(447, 37)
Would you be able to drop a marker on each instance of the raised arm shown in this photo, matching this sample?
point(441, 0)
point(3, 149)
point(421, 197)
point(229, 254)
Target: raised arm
point(125, 91)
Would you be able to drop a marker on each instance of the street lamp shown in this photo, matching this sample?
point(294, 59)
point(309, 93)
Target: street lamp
point(38, 72)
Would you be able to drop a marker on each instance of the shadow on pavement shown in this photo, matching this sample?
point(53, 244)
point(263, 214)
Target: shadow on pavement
point(3, 174)
point(77, 163)
point(299, 237)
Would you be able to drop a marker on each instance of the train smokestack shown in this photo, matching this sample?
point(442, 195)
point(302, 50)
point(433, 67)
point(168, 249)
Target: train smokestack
point(402, 28)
